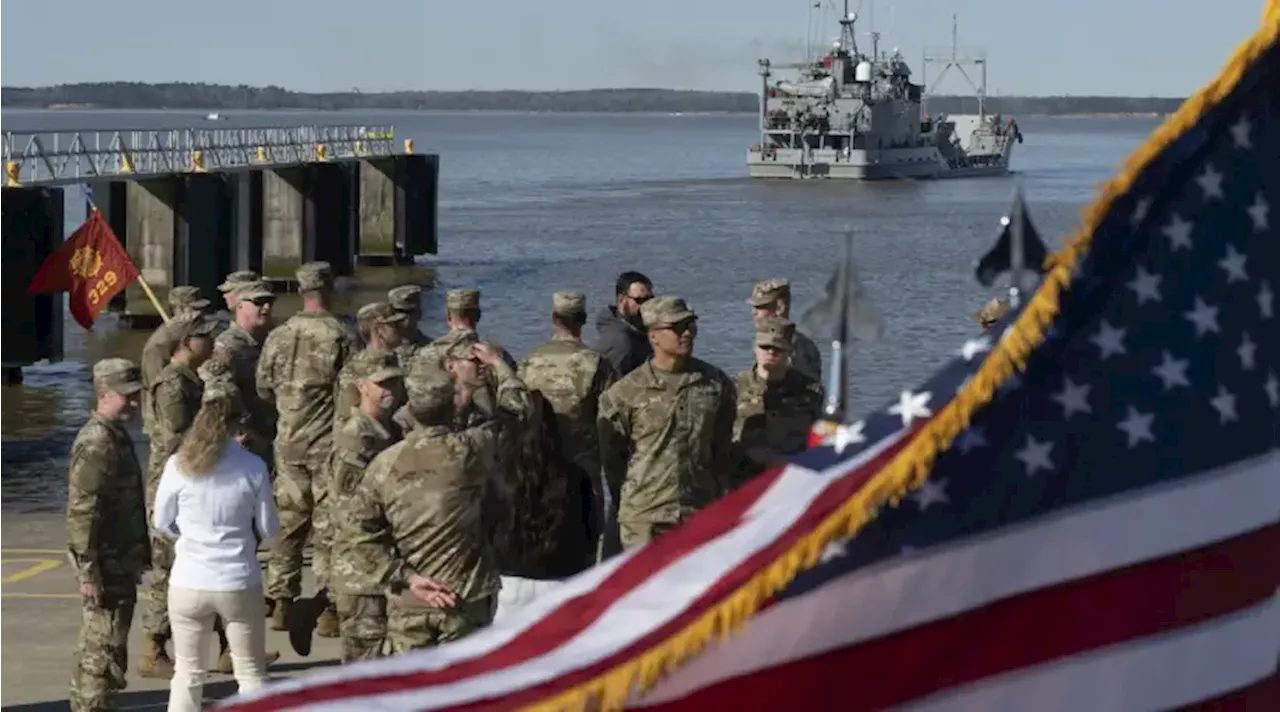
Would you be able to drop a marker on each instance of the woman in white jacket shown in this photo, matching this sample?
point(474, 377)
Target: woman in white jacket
point(215, 498)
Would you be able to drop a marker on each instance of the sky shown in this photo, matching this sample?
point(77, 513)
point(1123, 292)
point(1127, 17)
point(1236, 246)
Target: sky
point(1034, 47)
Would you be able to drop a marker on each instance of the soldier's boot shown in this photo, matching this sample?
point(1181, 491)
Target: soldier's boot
point(154, 661)
point(327, 625)
point(280, 614)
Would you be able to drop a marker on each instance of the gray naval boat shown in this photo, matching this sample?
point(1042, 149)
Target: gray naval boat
point(858, 117)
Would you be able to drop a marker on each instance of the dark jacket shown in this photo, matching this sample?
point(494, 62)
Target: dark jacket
point(623, 344)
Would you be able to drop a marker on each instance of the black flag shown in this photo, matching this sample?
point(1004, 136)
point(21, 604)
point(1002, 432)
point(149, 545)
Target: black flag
point(1000, 258)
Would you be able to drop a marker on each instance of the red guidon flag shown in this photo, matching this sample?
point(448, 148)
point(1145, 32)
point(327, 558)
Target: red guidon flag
point(91, 266)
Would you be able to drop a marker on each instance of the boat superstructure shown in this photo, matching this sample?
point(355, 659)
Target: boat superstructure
point(857, 116)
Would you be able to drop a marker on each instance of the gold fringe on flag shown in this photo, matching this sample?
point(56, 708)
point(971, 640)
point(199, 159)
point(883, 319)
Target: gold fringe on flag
point(909, 469)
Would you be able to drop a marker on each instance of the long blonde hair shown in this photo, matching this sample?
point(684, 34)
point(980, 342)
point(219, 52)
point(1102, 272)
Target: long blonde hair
point(214, 426)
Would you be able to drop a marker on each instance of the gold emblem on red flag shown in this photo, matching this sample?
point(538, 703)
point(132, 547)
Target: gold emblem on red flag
point(86, 262)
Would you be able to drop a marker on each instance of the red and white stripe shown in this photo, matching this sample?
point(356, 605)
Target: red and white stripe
point(604, 616)
point(1152, 600)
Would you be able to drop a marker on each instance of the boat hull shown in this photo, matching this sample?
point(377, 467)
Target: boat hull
point(891, 164)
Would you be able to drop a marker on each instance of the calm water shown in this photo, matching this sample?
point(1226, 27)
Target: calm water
point(535, 203)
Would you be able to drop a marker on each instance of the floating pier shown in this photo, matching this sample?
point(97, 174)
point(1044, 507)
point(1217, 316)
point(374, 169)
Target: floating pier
point(192, 204)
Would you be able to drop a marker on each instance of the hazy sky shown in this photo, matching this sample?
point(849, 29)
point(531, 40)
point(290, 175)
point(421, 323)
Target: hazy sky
point(1130, 47)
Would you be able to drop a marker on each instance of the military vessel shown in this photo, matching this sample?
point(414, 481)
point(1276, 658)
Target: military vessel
point(857, 116)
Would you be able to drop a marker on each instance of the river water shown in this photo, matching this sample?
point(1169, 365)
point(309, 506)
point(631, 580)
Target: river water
point(533, 203)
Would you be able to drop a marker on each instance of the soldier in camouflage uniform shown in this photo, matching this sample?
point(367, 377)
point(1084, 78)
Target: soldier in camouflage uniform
point(107, 535)
point(420, 507)
point(297, 370)
point(175, 399)
point(462, 312)
point(777, 405)
point(361, 604)
point(408, 300)
point(772, 297)
point(185, 304)
point(572, 376)
point(237, 348)
point(666, 430)
point(385, 332)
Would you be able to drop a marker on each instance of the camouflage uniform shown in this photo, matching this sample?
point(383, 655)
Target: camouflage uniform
point(666, 437)
point(299, 364)
point(175, 400)
point(406, 300)
point(160, 346)
point(361, 604)
point(419, 512)
point(774, 416)
point(238, 350)
point(364, 362)
point(107, 542)
point(805, 356)
point(225, 315)
point(571, 376)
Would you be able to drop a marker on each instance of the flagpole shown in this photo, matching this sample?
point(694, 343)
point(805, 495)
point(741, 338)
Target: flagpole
point(836, 406)
point(146, 288)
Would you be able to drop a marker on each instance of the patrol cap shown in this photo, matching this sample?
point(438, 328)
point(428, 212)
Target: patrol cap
point(252, 291)
point(187, 296)
point(404, 298)
point(992, 311)
point(774, 332)
point(665, 311)
point(118, 374)
point(463, 299)
point(385, 372)
point(201, 326)
point(238, 278)
point(460, 350)
point(769, 291)
point(569, 303)
point(314, 275)
point(430, 390)
point(380, 313)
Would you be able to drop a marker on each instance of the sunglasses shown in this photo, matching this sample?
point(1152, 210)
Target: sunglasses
point(682, 327)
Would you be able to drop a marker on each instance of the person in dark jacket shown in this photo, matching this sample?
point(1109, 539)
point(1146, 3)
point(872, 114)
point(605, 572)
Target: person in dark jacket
point(621, 338)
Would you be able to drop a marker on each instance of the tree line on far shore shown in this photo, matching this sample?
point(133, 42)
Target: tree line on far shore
point(136, 95)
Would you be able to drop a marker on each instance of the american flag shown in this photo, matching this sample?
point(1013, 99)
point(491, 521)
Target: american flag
point(1081, 512)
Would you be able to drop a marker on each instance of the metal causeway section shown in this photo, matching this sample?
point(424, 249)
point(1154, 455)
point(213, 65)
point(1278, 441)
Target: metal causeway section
point(49, 158)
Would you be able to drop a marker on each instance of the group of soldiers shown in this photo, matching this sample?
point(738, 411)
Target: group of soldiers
point(434, 478)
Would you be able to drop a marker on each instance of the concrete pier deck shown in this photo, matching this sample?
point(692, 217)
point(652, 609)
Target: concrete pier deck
point(40, 616)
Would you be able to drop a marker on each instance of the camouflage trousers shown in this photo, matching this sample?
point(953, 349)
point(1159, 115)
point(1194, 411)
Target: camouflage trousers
point(412, 628)
point(299, 489)
point(155, 588)
point(633, 533)
point(102, 653)
point(362, 623)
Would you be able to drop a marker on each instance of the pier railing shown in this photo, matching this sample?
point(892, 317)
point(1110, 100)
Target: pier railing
point(43, 158)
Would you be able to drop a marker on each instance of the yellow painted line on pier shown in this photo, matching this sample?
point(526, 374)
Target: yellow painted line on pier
point(36, 567)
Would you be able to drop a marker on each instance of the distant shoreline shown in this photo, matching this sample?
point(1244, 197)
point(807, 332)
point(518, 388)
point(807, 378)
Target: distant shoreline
point(217, 97)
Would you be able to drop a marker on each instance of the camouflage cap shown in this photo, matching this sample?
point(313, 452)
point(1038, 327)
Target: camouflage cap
point(430, 390)
point(252, 291)
point(775, 332)
point(665, 311)
point(187, 296)
point(992, 311)
point(217, 388)
point(463, 299)
point(314, 275)
point(202, 326)
point(769, 291)
point(404, 298)
point(460, 350)
point(385, 372)
point(569, 303)
point(380, 313)
point(118, 374)
point(237, 278)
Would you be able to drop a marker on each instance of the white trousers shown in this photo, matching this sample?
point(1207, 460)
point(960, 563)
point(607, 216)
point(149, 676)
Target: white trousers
point(191, 615)
point(518, 592)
